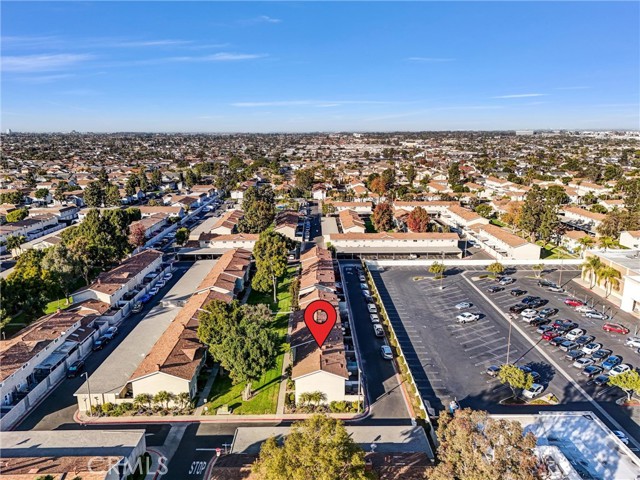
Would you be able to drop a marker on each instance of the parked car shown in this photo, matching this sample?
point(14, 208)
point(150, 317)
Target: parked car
point(495, 289)
point(546, 283)
point(467, 317)
point(493, 370)
point(463, 305)
point(369, 299)
point(633, 342)
point(568, 345)
point(529, 313)
point(378, 330)
point(529, 299)
point(591, 348)
point(516, 292)
point(137, 308)
point(537, 303)
point(601, 355)
point(153, 291)
point(601, 379)
point(548, 312)
point(364, 286)
point(537, 321)
point(385, 351)
point(584, 309)
point(374, 318)
point(506, 281)
point(557, 341)
point(372, 308)
point(75, 369)
point(564, 325)
point(575, 333)
point(572, 302)
point(612, 361)
point(615, 328)
point(366, 293)
point(544, 329)
point(619, 369)
point(145, 298)
point(584, 339)
point(556, 289)
point(583, 362)
point(100, 343)
point(527, 370)
point(597, 315)
point(592, 371)
point(535, 390)
point(110, 333)
point(550, 335)
point(518, 307)
point(160, 284)
point(574, 355)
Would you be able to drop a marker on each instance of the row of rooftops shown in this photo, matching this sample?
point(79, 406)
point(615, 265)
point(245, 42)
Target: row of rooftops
point(317, 282)
point(31, 340)
point(178, 351)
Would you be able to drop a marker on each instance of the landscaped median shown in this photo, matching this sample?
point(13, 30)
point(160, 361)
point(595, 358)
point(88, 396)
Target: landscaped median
point(417, 404)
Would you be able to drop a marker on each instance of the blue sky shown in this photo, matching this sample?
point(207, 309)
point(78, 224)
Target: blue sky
point(265, 66)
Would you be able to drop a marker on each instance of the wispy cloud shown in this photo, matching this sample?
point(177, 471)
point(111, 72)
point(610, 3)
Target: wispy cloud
point(522, 95)
point(40, 63)
point(42, 79)
point(150, 43)
point(260, 19)
point(216, 57)
point(30, 41)
point(80, 92)
point(309, 103)
point(430, 59)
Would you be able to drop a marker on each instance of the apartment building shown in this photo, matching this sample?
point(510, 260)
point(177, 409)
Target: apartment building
point(287, 223)
point(362, 208)
point(397, 243)
point(581, 218)
point(459, 217)
point(110, 287)
point(228, 222)
point(323, 368)
point(630, 239)
point(36, 359)
point(351, 222)
point(502, 244)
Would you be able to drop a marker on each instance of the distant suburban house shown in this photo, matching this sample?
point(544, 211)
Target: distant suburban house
point(287, 223)
point(351, 222)
point(228, 223)
point(362, 208)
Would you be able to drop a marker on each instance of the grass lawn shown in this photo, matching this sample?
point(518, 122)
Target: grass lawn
point(553, 252)
point(265, 398)
point(53, 306)
point(495, 221)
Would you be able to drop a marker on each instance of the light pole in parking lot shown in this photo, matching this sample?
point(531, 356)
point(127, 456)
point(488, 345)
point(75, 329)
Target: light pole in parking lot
point(86, 375)
point(509, 338)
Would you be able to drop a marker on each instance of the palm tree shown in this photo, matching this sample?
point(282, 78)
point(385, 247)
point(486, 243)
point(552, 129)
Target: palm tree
point(306, 398)
point(607, 242)
point(143, 400)
point(586, 243)
point(317, 397)
point(611, 278)
point(183, 399)
point(592, 266)
point(163, 398)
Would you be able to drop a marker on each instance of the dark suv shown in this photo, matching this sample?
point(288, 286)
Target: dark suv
point(518, 307)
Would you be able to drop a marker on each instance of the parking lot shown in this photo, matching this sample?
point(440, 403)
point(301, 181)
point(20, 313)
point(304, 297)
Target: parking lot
point(382, 389)
point(449, 359)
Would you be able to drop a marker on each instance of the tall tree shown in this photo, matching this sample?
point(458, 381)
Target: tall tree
point(454, 175)
point(156, 179)
point(304, 179)
point(259, 209)
point(317, 448)
point(112, 196)
point(138, 236)
point(17, 215)
point(591, 267)
point(94, 195)
point(270, 253)
point(63, 266)
point(418, 220)
point(410, 173)
point(382, 217)
point(474, 446)
point(182, 235)
point(629, 382)
point(515, 377)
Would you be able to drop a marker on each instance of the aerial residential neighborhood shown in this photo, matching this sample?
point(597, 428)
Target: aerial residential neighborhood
point(320, 241)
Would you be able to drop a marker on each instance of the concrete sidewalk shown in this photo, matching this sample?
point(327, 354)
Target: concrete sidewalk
point(202, 399)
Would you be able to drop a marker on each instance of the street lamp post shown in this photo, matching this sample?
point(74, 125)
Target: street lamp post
point(86, 375)
point(442, 274)
point(509, 339)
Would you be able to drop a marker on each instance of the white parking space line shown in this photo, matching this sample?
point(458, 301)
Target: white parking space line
point(488, 352)
point(484, 344)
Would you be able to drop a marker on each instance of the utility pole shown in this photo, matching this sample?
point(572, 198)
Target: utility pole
point(86, 375)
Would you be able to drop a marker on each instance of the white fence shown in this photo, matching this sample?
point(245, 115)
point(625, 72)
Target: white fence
point(469, 263)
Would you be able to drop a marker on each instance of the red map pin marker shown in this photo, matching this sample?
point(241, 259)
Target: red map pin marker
point(320, 331)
